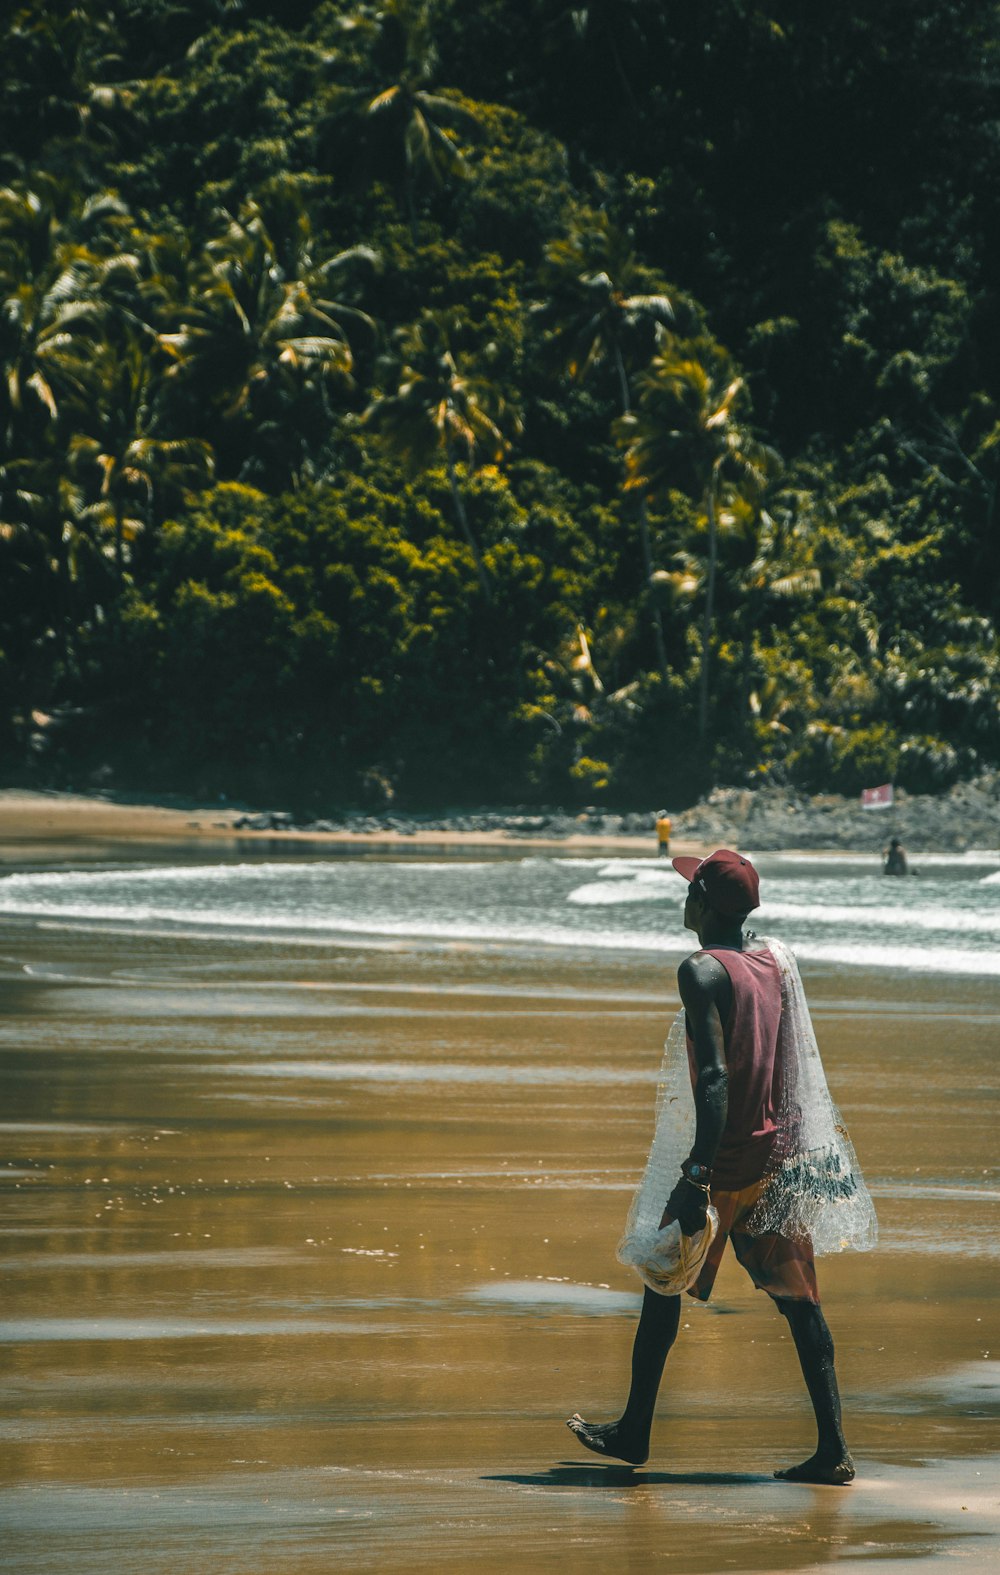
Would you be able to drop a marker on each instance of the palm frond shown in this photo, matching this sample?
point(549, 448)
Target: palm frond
point(447, 110)
point(798, 583)
point(318, 347)
point(417, 142)
point(38, 385)
point(384, 100)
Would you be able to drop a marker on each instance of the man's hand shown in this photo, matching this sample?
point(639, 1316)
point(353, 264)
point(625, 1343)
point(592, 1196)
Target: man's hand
point(688, 1205)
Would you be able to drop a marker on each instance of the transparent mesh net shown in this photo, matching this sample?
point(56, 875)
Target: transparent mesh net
point(813, 1188)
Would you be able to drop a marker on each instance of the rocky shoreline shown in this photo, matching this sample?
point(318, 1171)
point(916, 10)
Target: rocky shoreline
point(765, 819)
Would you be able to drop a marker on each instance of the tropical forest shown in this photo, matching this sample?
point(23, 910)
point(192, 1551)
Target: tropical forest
point(517, 402)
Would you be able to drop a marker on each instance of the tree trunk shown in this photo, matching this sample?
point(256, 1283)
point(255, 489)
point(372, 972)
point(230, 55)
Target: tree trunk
point(655, 616)
point(411, 208)
point(66, 619)
point(746, 656)
point(119, 548)
point(706, 630)
point(622, 379)
point(466, 528)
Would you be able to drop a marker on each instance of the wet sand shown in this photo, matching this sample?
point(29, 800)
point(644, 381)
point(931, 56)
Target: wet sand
point(308, 1251)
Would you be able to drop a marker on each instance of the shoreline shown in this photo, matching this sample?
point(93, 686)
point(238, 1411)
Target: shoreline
point(36, 824)
point(33, 824)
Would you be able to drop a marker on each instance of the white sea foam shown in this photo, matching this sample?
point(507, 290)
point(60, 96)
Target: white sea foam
point(915, 959)
point(968, 857)
point(840, 917)
point(611, 893)
point(334, 925)
point(18, 1331)
point(218, 874)
point(945, 920)
point(554, 1293)
point(867, 953)
point(426, 1072)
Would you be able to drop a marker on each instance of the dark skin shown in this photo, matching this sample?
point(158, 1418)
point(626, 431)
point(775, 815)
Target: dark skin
point(707, 995)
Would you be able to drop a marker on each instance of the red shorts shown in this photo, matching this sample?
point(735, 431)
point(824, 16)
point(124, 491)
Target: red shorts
point(775, 1264)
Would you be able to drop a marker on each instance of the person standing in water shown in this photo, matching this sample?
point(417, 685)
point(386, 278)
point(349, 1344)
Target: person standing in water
point(894, 860)
point(732, 992)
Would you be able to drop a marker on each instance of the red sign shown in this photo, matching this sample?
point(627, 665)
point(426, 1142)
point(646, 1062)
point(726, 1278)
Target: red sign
point(878, 797)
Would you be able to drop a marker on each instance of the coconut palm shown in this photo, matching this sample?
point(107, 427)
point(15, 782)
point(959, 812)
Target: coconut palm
point(64, 60)
point(416, 117)
point(123, 462)
point(65, 270)
point(264, 317)
point(596, 309)
point(597, 312)
point(768, 547)
point(50, 530)
point(441, 412)
point(25, 544)
point(39, 286)
point(688, 429)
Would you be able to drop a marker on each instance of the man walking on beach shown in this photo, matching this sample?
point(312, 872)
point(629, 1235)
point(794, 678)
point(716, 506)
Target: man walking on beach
point(769, 1168)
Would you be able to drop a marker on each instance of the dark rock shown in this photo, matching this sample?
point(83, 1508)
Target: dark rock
point(525, 825)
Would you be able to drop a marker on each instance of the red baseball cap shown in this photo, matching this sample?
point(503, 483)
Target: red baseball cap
point(726, 879)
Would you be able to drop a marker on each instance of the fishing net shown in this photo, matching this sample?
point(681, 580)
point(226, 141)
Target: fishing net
point(675, 1260)
point(813, 1188)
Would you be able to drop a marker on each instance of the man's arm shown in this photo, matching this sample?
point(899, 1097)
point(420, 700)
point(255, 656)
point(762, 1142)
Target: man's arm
point(706, 993)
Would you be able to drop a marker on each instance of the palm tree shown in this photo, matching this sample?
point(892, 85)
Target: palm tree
point(264, 317)
point(25, 544)
point(688, 425)
point(63, 542)
point(440, 412)
point(598, 312)
point(39, 281)
point(62, 59)
point(766, 538)
point(418, 117)
point(122, 461)
point(63, 273)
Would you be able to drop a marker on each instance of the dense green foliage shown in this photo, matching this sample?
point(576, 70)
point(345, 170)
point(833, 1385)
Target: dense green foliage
point(503, 402)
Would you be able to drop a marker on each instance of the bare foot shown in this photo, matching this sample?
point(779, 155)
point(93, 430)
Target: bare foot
point(608, 1439)
point(834, 1471)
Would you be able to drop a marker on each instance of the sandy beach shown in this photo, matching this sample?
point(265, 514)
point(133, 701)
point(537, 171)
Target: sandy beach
point(765, 819)
point(36, 826)
point(309, 1250)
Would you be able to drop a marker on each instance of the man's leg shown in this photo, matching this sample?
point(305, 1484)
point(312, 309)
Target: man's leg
point(628, 1438)
point(832, 1461)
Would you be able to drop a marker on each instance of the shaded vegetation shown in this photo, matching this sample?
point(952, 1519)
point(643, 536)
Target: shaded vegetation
point(519, 402)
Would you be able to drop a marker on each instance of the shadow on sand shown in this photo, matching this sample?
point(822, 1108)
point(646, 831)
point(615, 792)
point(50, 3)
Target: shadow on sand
point(567, 1475)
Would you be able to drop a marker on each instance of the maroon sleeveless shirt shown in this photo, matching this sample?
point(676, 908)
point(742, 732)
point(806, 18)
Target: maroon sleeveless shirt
point(751, 1042)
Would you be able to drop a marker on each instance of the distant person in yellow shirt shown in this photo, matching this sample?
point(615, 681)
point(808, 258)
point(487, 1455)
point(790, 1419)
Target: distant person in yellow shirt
point(663, 833)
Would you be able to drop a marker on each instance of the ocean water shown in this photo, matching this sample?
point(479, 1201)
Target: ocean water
point(838, 909)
